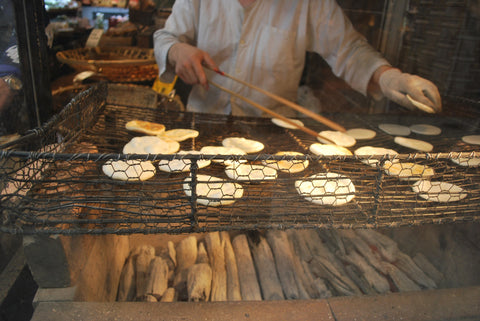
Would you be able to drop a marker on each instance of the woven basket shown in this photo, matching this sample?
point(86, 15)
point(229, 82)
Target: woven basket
point(117, 64)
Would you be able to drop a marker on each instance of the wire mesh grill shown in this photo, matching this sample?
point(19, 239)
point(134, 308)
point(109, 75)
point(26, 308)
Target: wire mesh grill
point(53, 179)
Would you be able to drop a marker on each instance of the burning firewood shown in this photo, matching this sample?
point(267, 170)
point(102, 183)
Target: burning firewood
point(199, 282)
point(325, 265)
point(266, 269)
point(142, 264)
point(202, 256)
point(322, 288)
point(374, 279)
point(357, 277)
point(390, 252)
point(169, 295)
point(370, 255)
point(386, 246)
point(126, 287)
point(216, 253)
point(186, 256)
point(303, 271)
point(317, 289)
point(282, 252)
point(157, 282)
point(305, 288)
point(164, 253)
point(186, 252)
point(149, 298)
point(249, 286)
point(428, 268)
point(408, 266)
point(233, 283)
point(172, 253)
point(400, 279)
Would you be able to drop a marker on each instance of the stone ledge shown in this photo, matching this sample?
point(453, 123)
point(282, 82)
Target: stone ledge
point(446, 304)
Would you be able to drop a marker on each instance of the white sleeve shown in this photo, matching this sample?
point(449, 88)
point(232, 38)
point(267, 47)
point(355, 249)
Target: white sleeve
point(181, 26)
point(347, 52)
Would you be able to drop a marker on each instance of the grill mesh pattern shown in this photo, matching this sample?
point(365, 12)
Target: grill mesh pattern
point(53, 180)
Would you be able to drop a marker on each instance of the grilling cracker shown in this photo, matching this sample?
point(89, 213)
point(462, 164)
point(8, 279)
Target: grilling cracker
point(129, 170)
point(151, 145)
point(339, 138)
point(247, 145)
point(281, 123)
point(326, 189)
point(416, 144)
point(408, 171)
point(145, 127)
point(180, 134)
point(328, 150)
point(472, 139)
point(395, 130)
point(373, 151)
point(213, 191)
point(182, 165)
point(426, 129)
point(288, 166)
point(222, 150)
point(361, 133)
point(467, 161)
point(439, 191)
point(250, 172)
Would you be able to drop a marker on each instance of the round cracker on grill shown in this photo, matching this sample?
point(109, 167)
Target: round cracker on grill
point(426, 129)
point(373, 151)
point(420, 105)
point(439, 191)
point(250, 172)
point(247, 145)
point(339, 138)
point(284, 124)
point(472, 139)
point(416, 144)
point(129, 170)
point(180, 134)
point(395, 129)
point(467, 161)
point(145, 127)
point(326, 189)
point(213, 191)
point(182, 164)
point(151, 145)
point(361, 133)
point(408, 171)
point(288, 166)
point(222, 150)
point(328, 150)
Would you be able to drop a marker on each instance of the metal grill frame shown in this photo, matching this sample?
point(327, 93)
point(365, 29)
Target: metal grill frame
point(19, 214)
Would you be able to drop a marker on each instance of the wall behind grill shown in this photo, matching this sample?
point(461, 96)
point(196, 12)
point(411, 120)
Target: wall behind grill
point(442, 43)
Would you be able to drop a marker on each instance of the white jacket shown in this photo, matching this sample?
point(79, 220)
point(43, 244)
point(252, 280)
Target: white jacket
point(265, 45)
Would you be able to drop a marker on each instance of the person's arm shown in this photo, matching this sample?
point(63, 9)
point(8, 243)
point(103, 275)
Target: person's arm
point(395, 85)
point(188, 62)
point(174, 45)
point(354, 60)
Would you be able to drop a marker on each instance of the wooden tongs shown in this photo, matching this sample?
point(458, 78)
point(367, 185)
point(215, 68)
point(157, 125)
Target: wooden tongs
point(284, 101)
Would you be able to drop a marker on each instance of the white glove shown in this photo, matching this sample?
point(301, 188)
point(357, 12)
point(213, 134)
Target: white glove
point(396, 85)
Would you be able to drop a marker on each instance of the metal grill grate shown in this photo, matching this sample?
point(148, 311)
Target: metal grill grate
point(61, 189)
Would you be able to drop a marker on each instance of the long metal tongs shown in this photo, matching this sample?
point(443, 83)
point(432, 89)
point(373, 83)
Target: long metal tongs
point(284, 101)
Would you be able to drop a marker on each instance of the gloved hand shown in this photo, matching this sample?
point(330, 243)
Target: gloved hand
point(188, 61)
point(396, 85)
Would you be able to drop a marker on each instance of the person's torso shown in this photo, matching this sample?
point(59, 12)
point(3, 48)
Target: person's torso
point(264, 45)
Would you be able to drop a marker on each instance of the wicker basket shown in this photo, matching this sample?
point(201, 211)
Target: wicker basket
point(117, 64)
